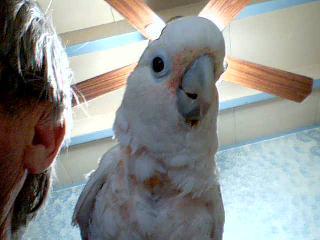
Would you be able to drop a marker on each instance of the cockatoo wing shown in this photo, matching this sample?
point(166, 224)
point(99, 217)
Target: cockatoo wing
point(218, 214)
point(86, 201)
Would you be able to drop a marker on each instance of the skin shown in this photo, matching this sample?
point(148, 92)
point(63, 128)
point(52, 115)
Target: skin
point(29, 143)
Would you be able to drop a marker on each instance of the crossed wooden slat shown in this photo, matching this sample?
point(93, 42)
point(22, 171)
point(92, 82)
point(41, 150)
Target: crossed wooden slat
point(270, 80)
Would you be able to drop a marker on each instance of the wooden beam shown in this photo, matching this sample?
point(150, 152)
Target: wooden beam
point(270, 80)
point(139, 15)
point(97, 86)
point(222, 12)
point(266, 79)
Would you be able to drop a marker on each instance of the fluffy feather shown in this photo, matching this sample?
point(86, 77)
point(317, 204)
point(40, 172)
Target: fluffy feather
point(161, 181)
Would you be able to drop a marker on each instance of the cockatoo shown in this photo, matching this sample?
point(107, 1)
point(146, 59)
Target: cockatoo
point(160, 182)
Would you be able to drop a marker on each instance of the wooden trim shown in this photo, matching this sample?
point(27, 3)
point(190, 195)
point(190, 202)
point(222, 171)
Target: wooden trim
point(137, 12)
point(270, 80)
point(222, 12)
point(97, 86)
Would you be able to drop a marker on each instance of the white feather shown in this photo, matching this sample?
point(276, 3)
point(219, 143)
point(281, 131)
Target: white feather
point(183, 201)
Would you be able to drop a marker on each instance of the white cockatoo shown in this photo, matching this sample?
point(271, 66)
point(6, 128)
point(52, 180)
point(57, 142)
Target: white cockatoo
point(160, 182)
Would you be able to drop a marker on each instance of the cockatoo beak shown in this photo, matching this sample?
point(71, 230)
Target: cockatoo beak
point(195, 94)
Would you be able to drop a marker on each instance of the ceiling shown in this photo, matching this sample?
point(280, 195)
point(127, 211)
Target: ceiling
point(73, 15)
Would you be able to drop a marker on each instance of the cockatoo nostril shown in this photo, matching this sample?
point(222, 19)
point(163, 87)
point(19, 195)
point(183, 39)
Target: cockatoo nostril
point(192, 95)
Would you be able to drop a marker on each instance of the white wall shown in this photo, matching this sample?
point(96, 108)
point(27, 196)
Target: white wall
point(286, 39)
point(71, 15)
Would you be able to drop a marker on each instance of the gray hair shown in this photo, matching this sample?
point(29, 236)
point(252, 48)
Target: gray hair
point(33, 63)
point(34, 68)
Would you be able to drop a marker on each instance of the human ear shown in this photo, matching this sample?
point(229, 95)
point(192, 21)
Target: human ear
point(46, 143)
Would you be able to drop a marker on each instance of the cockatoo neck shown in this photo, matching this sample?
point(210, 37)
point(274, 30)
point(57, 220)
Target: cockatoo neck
point(188, 161)
point(168, 142)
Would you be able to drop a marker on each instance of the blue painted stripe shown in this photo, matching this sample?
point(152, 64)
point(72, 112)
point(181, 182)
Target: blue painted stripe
point(134, 37)
point(104, 44)
point(270, 6)
point(222, 107)
point(90, 137)
point(56, 188)
point(245, 101)
point(316, 84)
point(242, 101)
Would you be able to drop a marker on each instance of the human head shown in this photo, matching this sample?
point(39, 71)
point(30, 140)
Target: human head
point(35, 108)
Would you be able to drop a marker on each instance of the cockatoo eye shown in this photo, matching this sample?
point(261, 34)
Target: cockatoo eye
point(160, 64)
point(157, 64)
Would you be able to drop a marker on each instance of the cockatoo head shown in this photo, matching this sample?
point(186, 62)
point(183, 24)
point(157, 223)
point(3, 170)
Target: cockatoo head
point(171, 97)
